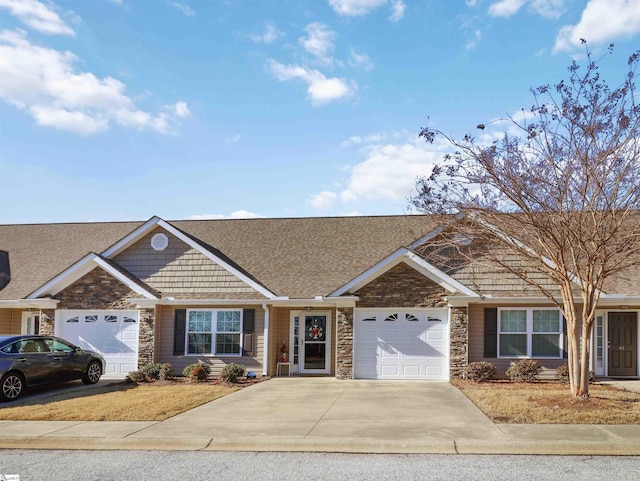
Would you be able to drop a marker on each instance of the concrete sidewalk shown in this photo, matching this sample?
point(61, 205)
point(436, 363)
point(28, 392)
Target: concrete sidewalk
point(326, 415)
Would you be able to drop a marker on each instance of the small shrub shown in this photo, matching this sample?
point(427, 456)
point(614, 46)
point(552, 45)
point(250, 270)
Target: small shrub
point(157, 372)
point(232, 372)
point(137, 376)
point(562, 374)
point(187, 370)
point(524, 370)
point(198, 374)
point(480, 371)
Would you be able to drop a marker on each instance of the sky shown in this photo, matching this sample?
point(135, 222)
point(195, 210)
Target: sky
point(117, 110)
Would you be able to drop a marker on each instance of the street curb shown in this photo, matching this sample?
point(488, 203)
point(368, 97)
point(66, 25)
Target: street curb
point(347, 446)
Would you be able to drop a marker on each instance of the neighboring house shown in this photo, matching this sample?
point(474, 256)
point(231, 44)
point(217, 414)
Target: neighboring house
point(350, 297)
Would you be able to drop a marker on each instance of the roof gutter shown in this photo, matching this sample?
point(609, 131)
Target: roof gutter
point(28, 303)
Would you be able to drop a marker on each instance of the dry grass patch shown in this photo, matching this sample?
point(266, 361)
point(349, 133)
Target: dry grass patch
point(122, 401)
point(551, 403)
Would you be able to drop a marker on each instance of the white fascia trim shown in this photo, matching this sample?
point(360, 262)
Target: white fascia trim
point(198, 302)
point(414, 261)
point(80, 268)
point(29, 303)
point(444, 279)
point(126, 241)
point(318, 301)
point(425, 238)
point(157, 222)
point(374, 271)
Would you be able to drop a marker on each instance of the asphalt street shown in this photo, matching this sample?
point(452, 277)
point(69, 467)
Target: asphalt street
point(37, 465)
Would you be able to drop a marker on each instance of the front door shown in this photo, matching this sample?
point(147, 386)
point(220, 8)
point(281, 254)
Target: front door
point(623, 342)
point(30, 323)
point(312, 335)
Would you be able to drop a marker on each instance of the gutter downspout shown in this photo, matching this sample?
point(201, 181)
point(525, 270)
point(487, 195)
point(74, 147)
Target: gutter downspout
point(265, 364)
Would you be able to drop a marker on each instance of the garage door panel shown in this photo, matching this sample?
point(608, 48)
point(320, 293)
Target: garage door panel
point(407, 345)
point(113, 334)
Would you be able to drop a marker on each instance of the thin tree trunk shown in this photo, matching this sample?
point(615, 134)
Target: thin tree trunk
point(573, 358)
point(585, 355)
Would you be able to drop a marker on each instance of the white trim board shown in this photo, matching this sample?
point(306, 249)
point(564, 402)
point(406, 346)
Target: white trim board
point(81, 268)
point(412, 260)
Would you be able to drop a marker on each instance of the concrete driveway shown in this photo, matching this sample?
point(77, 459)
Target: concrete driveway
point(327, 410)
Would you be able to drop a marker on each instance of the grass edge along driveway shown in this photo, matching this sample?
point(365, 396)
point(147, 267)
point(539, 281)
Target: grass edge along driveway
point(118, 401)
point(549, 402)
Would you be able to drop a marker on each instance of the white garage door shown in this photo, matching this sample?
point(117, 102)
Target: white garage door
point(114, 334)
point(401, 344)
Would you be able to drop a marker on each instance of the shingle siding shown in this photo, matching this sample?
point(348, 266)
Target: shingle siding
point(181, 271)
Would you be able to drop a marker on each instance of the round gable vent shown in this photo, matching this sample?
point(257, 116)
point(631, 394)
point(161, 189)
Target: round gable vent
point(159, 242)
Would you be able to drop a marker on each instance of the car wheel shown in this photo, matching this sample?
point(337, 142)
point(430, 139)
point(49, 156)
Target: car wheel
point(11, 387)
point(93, 373)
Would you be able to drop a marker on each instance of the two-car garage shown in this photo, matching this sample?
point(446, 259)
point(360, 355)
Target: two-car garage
point(113, 334)
point(401, 343)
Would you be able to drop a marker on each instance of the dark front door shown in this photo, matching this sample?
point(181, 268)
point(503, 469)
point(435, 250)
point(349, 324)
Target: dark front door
point(623, 344)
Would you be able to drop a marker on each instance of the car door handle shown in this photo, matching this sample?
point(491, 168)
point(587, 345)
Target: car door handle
point(57, 358)
point(22, 359)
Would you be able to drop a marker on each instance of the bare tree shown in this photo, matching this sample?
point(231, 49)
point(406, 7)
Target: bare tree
point(560, 193)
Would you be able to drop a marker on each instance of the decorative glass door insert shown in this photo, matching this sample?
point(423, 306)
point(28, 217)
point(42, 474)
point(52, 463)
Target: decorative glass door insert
point(314, 349)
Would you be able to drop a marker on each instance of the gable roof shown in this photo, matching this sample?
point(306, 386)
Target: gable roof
point(296, 257)
point(416, 262)
point(86, 264)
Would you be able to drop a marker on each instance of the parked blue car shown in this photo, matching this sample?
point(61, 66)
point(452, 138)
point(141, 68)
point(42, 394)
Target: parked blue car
point(27, 361)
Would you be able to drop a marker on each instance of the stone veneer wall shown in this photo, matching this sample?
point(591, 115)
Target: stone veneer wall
point(458, 341)
point(99, 290)
point(402, 286)
point(344, 343)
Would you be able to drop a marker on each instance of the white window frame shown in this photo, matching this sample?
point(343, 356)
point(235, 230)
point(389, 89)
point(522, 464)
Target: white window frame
point(529, 333)
point(214, 332)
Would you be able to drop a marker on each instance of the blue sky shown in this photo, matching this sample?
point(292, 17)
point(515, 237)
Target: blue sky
point(125, 109)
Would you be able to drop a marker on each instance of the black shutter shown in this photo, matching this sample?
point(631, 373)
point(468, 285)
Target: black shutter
point(248, 326)
point(179, 328)
point(491, 332)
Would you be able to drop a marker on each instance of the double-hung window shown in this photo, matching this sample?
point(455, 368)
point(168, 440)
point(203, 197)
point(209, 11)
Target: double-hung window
point(529, 332)
point(214, 332)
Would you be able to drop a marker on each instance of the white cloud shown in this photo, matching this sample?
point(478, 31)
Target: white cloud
point(505, 8)
point(238, 214)
point(65, 120)
point(270, 35)
point(182, 110)
point(355, 8)
point(184, 8)
point(321, 90)
point(548, 8)
point(323, 200)
point(390, 171)
point(319, 42)
point(473, 42)
point(471, 3)
point(397, 10)
point(37, 16)
point(602, 21)
point(372, 139)
point(233, 139)
point(362, 60)
point(42, 81)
